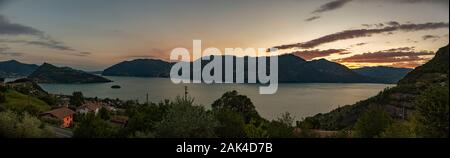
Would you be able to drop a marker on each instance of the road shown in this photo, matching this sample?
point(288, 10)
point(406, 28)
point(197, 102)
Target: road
point(62, 133)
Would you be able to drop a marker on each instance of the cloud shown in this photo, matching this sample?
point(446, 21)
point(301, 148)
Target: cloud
point(311, 54)
point(331, 6)
point(8, 28)
point(396, 55)
point(312, 18)
point(49, 43)
point(85, 53)
point(411, 41)
point(153, 53)
point(409, 1)
point(423, 1)
point(393, 23)
point(430, 37)
point(5, 51)
point(359, 44)
point(13, 29)
point(80, 54)
point(358, 33)
point(411, 64)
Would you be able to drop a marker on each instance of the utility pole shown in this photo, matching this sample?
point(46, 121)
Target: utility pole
point(147, 99)
point(185, 92)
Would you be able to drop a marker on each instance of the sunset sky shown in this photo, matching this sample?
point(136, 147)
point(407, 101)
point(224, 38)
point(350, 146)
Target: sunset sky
point(95, 34)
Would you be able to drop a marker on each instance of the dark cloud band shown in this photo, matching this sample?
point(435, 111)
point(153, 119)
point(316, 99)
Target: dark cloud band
point(396, 55)
point(311, 54)
point(357, 33)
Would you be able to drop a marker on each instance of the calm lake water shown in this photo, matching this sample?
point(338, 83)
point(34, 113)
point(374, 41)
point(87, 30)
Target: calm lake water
point(301, 100)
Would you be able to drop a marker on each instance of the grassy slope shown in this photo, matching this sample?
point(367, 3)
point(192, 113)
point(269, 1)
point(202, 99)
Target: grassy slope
point(19, 102)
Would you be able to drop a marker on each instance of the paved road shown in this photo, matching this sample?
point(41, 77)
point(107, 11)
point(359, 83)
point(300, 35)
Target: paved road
point(62, 133)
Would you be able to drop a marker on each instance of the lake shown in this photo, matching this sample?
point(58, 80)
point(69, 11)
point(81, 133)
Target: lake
point(301, 100)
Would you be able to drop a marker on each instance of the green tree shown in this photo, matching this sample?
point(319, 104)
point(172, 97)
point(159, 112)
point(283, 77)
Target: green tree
point(2, 97)
point(77, 99)
point(372, 123)
point(8, 121)
point(184, 120)
point(256, 129)
point(433, 113)
point(231, 124)
point(399, 130)
point(143, 118)
point(282, 127)
point(237, 103)
point(104, 114)
point(13, 125)
point(94, 127)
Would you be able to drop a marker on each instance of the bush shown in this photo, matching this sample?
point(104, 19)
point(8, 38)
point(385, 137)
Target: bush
point(433, 113)
point(94, 127)
point(399, 130)
point(184, 120)
point(143, 118)
point(104, 114)
point(13, 125)
point(231, 124)
point(372, 123)
point(282, 127)
point(237, 103)
point(256, 129)
point(2, 97)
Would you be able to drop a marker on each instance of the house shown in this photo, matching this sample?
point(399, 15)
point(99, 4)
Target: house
point(90, 106)
point(63, 114)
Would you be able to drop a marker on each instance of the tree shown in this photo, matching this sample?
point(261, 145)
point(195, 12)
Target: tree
point(256, 130)
point(2, 97)
point(433, 113)
point(143, 118)
point(372, 123)
point(184, 120)
point(399, 130)
point(237, 103)
point(94, 127)
point(103, 113)
point(76, 99)
point(231, 124)
point(13, 125)
point(282, 127)
point(286, 119)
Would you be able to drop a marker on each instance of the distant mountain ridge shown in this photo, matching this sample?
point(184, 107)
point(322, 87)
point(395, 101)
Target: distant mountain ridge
point(292, 69)
point(14, 69)
point(383, 73)
point(140, 68)
point(47, 73)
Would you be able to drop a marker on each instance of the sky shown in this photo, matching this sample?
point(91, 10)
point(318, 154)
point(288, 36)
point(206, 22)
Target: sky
point(95, 34)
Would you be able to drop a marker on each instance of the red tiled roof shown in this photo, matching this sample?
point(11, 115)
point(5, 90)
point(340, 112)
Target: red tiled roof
point(60, 113)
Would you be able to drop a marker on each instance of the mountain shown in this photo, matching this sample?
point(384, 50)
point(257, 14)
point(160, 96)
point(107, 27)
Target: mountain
point(291, 69)
point(383, 73)
point(47, 73)
point(434, 71)
point(398, 101)
point(13, 69)
point(140, 68)
point(316, 71)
